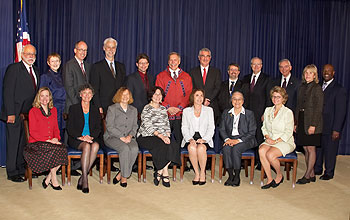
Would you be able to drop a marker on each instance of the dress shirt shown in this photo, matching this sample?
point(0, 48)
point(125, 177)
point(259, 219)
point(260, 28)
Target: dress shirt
point(202, 69)
point(109, 65)
point(287, 79)
point(230, 82)
point(256, 77)
point(27, 67)
point(80, 62)
point(327, 84)
point(174, 72)
point(235, 121)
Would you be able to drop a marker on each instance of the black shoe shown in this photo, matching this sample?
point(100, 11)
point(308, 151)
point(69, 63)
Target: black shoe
point(303, 181)
point(85, 190)
point(16, 179)
point(195, 182)
point(187, 169)
point(228, 182)
point(325, 177)
point(236, 182)
point(267, 186)
point(123, 184)
point(167, 184)
point(115, 181)
point(277, 184)
point(44, 184)
point(114, 169)
point(313, 179)
point(155, 176)
point(74, 173)
point(55, 187)
point(201, 183)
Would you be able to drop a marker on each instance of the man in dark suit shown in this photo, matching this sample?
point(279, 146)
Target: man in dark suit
point(76, 73)
point(256, 89)
point(140, 82)
point(288, 82)
point(207, 78)
point(20, 86)
point(229, 86)
point(237, 129)
point(334, 112)
point(107, 76)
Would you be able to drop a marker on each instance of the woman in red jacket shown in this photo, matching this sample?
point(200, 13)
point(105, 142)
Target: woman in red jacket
point(44, 151)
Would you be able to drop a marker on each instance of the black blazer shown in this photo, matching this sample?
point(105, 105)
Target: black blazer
point(18, 90)
point(75, 123)
point(246, 127)
point(334, 108)
point(104, 84)
point(224, 97)
point(292, 91)
point(138, 90)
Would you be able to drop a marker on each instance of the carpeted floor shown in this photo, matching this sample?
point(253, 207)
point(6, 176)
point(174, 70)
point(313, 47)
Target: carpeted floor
point(321, 200)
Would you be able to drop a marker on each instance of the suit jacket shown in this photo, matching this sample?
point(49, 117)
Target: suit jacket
point(18, 90)
point(292, 91)
point(105, 84)
point(206, 128)
point(334, 108)
point(224, 97)
point(76, 121)
point(138, 90)
point(120, 123)
point(246, 127)
point(73, 78)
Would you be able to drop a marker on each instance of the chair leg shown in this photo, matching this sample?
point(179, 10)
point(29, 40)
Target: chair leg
point(101, 168)
point(139, 162)
point(295, 165)
point(63, 174)
point(262, 176)
point(182, 168)
point(246, 167)
point(213, 157)
point(287, 164)
point(109, 169)
point(144, 161)
point(174, 172)
point(220, 167)
point(252, 161)
point(29, 176)
point(69, 167)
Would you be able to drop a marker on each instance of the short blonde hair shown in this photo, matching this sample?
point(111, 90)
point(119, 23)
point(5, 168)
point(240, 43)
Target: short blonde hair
point(118, 95)
point(313, 69)
point(36, 102)
point(280, 91)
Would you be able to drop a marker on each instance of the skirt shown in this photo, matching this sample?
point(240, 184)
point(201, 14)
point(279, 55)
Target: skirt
point(304, 139)
point(43, 156)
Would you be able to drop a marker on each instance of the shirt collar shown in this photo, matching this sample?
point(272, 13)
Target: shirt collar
point(78, 60)
point(232, 110)
point(256, 76)
point(329, 82)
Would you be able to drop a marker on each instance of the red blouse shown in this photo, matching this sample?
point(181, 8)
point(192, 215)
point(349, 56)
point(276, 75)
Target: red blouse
point(42, 128)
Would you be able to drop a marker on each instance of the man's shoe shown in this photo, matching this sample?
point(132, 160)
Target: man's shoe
point(325, 177)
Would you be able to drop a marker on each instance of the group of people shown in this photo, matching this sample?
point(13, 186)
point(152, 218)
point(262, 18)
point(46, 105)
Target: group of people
point(177, 109)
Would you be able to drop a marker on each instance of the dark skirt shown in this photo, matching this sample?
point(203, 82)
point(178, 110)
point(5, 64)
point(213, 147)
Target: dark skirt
point(196, 136)
point(304, 139)
point(74, 143)
point(43, 156)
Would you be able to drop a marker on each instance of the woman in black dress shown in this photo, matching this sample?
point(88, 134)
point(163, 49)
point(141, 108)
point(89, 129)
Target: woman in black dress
point(84, 128)
point(309, 120)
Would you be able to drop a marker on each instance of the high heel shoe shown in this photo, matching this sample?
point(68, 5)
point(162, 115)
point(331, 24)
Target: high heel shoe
point(56, 187)
point(156, 180)
point(195, 182)
point(166, 184)
point(115, 181)
point(313, 179)
point(267, 186)
point(277, 184)
point(44, 184)
point(123, 184)
point(85, 190)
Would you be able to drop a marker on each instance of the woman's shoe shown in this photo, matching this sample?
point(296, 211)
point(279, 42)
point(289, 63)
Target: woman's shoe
point(201, 183)
point(115, 181)
point(313, 179)
point(44, 184)
point(156, 180)
point(195, 182)
point(277, 184)
point(56, 187)
point(303, 180)
point(166, 184)
point(267, 186)
point(123, 184)
point(85, 190)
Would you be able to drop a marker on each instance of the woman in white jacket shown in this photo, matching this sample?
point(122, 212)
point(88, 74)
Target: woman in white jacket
point(198, 130)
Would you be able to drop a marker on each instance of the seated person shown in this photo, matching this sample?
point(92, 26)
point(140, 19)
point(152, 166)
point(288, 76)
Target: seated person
point(278, 132)
point(44, 151)
point(198, 129)
point(237, 129)
point(84, 128)
point(121, 128)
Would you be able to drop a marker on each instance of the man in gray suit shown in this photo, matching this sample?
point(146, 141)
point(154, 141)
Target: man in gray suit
point(76, 73)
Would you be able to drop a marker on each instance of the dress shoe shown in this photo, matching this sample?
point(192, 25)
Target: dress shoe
point(313, 179)
point(55, 187)
point(325, 177)
point(236, 182)
point(123, 184)
point(156, 175)
point(166, 184)
point(201, 183)
point(85, 190)
point(269, 185)
point(115, 181)
point(74, 173)
point(303, 180)
point(195, 182)
point(16, 179)
point(277, 184)
point(228, 183)
point(44, 184)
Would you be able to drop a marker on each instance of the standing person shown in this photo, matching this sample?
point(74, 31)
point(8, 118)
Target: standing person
point(53, 80)
point(334, 112)
point(107, 76)
point(198, 128)
point(309, 120)
point(277, 129)
point(208, 78)
point(20, 85)
point(154, 135)
point(121, 128)
point(229, 86)
point(84, 128)
point(44, 151)
point(177, 85)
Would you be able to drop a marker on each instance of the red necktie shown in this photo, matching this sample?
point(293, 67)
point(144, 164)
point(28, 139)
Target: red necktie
point(252, 84)
point(32, 76)
point(82, 68)
point(204, 75)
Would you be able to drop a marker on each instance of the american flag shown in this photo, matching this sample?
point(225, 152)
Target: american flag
point(22, 37)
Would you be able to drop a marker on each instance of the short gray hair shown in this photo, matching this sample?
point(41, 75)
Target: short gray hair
point(204, 49)
point(110, 39)
point(284, 60)
point(251, 61)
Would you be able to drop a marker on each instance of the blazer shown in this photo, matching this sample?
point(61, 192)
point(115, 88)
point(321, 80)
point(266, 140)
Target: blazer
point(292, 91)
point(73, 78)
point(76, 121)
point(246, 127)
point(105, 84)
point(334, 108)
point(224, 97)
point(310, 98)
point(279, 127)
point(18, 90)
point(138, 90)
point(206, 127)
point(120, 123)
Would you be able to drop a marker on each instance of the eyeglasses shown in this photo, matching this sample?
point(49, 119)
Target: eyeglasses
point(206, 56)
point(82, 50)
point(30, 54)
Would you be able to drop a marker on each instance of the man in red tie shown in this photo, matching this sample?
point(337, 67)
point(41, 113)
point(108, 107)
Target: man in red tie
point(20, 85)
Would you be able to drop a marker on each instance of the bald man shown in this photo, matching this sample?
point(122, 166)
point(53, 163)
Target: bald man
point(20, 86)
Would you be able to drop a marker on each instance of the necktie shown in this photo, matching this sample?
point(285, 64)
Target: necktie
point(284, 85)
point(324, 86)
point(82, 68)
point(204, 75)
point(32, 76)
point(174, 76)
point(232, 87)
point(112, 69)
point(252, 84)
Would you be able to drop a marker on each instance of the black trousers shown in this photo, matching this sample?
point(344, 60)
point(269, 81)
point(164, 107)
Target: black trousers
point(233, 155)
point(175, 126)
point(15, 139)
point(327, 153)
